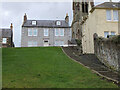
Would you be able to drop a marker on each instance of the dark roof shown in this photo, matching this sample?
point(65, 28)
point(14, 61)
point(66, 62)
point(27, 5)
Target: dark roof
point(113, 5)
point(46, 23)
point(6, 32)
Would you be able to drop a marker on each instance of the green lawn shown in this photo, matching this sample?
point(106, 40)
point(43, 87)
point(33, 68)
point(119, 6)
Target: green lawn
point(46, 67)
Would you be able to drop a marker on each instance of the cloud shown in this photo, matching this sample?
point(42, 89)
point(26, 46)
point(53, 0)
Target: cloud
point(13, 12)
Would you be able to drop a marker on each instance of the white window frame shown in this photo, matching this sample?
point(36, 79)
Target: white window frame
point(56, 31)
point(32, 30)
point(110, 13)
point(4, 40)
point(34, 22)
point(61, 43)
point(46, 32)
point(58, 22)
point(35, 30)
point(29, 43)
point(29, 30)
point(113, 32)
point(61, 32)
point(115, 15)
point(105, 34)
point(32, 43)
point(56, 43)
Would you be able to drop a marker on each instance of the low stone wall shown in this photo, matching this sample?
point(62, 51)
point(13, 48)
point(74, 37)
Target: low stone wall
point(108, 51)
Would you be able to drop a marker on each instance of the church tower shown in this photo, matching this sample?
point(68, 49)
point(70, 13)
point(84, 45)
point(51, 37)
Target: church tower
point(81, 10)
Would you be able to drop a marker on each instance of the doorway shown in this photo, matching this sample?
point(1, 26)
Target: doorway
point(46, 43)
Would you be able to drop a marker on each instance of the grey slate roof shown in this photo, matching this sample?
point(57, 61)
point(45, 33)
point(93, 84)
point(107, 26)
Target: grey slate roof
point(113, 5)
point(46, 23)
point(6, 32)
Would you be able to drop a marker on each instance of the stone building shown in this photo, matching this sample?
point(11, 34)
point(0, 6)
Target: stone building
point(6, 36)
point(37, 33)
point(103, 20)
point(80, 12)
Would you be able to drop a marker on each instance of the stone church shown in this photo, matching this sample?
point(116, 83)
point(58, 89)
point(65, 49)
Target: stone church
point(80, 13)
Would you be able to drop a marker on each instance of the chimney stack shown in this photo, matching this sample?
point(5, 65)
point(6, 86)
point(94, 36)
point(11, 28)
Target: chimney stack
point(25, 18)
point(67, 18)
point(11, 26)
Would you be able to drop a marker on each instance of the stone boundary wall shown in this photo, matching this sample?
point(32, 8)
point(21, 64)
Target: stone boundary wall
point(108, 51)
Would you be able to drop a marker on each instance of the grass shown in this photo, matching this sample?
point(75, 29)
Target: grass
point(46, 67)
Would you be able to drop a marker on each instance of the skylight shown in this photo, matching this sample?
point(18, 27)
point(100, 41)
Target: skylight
point(58, 23)
point(33, 22)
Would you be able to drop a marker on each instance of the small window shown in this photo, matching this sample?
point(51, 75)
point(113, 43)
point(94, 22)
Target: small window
point(83, 7)
point(61, 43)
point(46, 41)
point(29, 43)
point(112, 33)
point(56, 32)
point(56, 43)
point(33, 22)
point(34, 32)
point(106, 34)
point(61, 32)
point(45, 32)
point(108, 15)
point(115, 15)
point(29, 32)
point(32, 43)
point(58, 23)
point(4, 41)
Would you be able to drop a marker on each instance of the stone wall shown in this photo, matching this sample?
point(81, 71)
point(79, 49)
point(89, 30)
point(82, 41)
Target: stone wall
point(108, 51)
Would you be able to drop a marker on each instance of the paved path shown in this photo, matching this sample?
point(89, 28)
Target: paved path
point(91, 61)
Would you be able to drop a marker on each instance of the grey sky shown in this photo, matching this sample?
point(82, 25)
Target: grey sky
point(13, 12)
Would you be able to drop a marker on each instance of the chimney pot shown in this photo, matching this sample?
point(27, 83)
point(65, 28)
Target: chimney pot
point(25, 18)
point(11, 26)
point(67, 18)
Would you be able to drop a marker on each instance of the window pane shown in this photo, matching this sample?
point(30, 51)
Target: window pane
point(61, 32)
point(115, 15)
point(33, 22)
point(112, 33)
point(108, 15)
point(56, 32)
point(35, 32)
point(45, 32)
point(106, 34)
point(58, 23)
point(61, 43)
point(4, 40)
point(56, 43)
point(29, 32)
point(29, 43)
point(34, 43)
